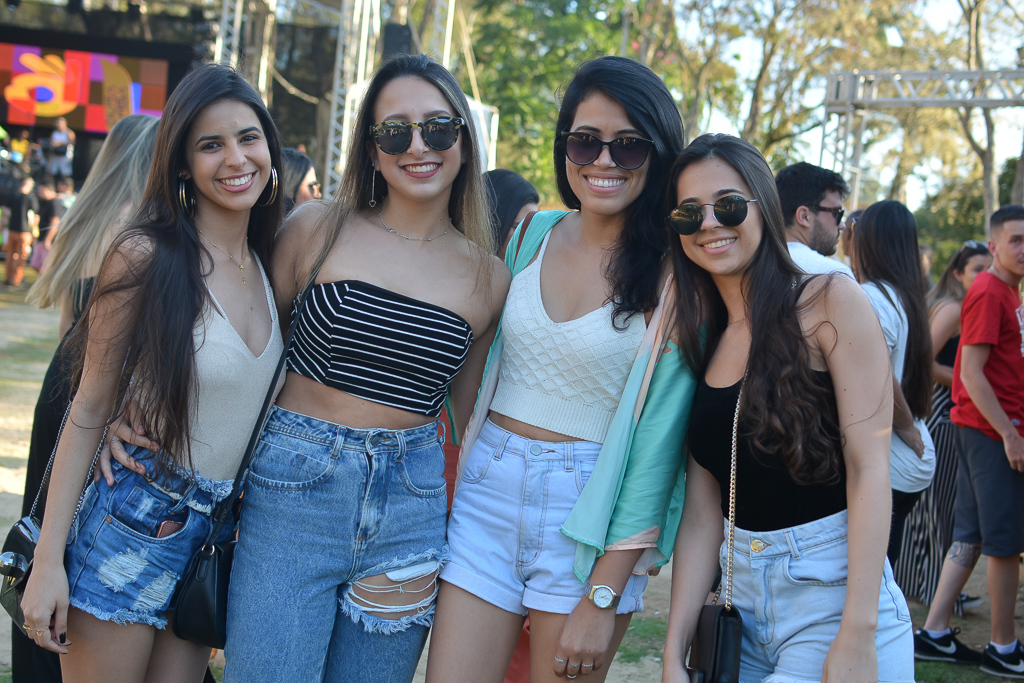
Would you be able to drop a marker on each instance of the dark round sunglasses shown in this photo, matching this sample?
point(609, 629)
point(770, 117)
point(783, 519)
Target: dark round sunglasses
point(628, 153)
point(730, 211)
point(439, 133)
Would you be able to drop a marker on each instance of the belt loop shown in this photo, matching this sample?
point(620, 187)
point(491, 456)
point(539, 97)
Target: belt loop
point(791, 540)
point(443, 433)
point(501, 444)
point(400, 438)
point(186, 497)
point(567, 455)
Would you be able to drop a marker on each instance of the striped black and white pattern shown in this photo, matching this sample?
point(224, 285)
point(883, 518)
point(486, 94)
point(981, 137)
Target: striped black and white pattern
point(380, 346)
point(928, 531)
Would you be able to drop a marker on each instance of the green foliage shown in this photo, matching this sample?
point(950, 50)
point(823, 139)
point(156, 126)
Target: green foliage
point(644, 638)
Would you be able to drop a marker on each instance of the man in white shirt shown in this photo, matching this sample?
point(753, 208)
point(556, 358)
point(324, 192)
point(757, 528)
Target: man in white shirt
point(812, 209)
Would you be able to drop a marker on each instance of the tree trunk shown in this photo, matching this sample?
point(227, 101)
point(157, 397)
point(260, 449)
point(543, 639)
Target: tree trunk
point(1017, 191)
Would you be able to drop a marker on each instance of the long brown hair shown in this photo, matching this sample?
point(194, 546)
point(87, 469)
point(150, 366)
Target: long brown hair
point(166, 286)
point(782, 399)
point(467, 204)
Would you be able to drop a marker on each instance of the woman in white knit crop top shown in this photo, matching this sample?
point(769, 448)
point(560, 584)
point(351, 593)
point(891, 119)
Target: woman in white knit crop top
point(570, 338)
point(182, 306)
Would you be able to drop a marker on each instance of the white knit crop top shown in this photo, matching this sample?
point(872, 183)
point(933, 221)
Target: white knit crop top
point(232, 386)
point(564, 377)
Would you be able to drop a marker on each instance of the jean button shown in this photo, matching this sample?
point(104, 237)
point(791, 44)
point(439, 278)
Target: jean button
point(758, 545)
point(535, 449)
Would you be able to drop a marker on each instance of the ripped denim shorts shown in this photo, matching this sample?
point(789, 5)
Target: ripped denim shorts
point(118, 570)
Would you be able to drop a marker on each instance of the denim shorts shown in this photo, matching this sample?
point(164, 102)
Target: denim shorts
point(505, 529)
point(326, 506)
point(989, 495)
point(790, 588)
point(118, 570)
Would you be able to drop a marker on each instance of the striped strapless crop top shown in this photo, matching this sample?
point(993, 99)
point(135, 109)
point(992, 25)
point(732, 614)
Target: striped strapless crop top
point(379, 346)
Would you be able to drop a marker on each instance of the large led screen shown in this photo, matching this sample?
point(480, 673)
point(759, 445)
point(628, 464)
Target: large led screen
point(92, 90)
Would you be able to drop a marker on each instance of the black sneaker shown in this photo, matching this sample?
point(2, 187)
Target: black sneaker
point(944, 648)
point(1009, 666)
point(969, 601)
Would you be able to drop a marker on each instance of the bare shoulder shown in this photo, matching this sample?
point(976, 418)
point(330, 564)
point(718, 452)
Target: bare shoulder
point(301, 223)
point(133, 251)
point(834, 296)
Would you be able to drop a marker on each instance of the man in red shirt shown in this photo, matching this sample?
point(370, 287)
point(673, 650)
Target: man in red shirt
point(988, 390)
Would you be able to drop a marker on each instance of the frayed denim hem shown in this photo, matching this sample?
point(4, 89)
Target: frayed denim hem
point(441, 556)
point(121, 616)
point(218, 488)
point(375, 624)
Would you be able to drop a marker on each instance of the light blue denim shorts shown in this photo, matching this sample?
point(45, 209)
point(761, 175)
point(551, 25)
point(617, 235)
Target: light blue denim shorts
point(504, 532)
point(790, 588)
point(326, 506)
point(118, 570)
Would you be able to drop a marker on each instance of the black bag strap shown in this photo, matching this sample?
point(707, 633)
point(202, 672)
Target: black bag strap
point(224, 510)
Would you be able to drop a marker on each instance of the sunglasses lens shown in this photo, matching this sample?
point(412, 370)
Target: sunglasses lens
point(686, 219)
point(582, 148)
point(629, 153)
point(731, 211)
point(440, 134)
point(393, 137)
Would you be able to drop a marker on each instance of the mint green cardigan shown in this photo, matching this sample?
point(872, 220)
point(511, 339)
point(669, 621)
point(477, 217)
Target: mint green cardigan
point(634, 498)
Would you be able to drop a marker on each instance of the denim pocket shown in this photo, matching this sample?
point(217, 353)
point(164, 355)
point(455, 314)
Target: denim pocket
point(478, 461)
point(142, 509)
point(895, 594)
point(584, 468)
point(422, 472)
point(282, 468)
point(823, 565)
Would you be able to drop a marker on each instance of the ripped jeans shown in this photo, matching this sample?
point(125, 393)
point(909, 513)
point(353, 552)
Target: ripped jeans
point(341, 538)
point(118, 570)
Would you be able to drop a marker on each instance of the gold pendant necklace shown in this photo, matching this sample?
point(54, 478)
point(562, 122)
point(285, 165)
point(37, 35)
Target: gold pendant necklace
point(245, 250)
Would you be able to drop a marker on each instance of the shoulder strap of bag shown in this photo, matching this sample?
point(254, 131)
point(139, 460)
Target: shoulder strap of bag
point(732, 498)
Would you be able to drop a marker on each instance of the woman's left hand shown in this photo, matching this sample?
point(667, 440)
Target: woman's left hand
point(583, 645)
point(851, 659)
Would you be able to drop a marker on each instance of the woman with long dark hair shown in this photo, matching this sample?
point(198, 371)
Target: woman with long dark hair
point(887, 263)
point(182, 320)
point(928, 531)
point(565, 496)
point(342, 528)
point(795, 381)
point(298, 179)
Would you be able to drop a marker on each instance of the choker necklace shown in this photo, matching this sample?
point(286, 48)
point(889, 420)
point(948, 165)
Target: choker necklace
point(380, 215)
point(736, 321)
point(245, 250)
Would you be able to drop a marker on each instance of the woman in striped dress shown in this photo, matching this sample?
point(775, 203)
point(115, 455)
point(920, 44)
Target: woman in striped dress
point(928, 532)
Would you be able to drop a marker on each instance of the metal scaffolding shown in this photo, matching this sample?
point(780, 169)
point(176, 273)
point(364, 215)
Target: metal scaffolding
point(852, 94)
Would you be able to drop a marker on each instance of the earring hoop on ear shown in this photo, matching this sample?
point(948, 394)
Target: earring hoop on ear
point(373, 186)
point(273, 188)
point(187, 203)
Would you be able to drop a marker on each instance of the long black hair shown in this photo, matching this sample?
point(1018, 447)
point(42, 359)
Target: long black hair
point(164, 281)
point(885, 250)
point(635, 267)
point(294, 167)
point(948, 288)
point(782, 399)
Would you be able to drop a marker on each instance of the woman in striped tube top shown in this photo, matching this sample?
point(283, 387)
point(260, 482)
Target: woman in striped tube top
point(343, 524)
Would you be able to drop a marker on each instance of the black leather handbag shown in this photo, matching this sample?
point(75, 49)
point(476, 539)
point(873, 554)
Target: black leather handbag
point(200, 602)
point(19, 547)
point(715, 651)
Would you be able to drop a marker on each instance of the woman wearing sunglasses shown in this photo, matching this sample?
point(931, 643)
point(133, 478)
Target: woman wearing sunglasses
point(795, 380)
point(564, 496)
point(928, 532)
point(343, 523)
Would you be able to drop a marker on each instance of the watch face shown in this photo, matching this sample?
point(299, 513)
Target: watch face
point(603, 597)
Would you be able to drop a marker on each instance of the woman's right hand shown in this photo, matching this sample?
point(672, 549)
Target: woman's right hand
point(120, 433)
point(45, 605)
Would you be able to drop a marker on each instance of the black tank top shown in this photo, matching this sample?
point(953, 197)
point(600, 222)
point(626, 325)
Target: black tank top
point(767, 498)
point(947, 356)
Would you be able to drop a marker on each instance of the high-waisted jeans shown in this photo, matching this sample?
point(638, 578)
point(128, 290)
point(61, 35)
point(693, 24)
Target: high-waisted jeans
point(790, 588)
point(326, 506)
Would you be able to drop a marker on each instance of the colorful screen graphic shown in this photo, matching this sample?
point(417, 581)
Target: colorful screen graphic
point(93, 91)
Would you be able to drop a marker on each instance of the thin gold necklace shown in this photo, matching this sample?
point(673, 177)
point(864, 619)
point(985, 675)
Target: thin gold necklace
point(245, 250)
point(380, 215)
point(733, 322)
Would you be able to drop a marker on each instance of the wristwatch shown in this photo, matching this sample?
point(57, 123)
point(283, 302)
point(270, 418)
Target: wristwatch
point(603, 597)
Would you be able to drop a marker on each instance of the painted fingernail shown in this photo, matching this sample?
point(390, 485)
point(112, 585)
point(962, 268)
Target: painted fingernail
point(63, 638)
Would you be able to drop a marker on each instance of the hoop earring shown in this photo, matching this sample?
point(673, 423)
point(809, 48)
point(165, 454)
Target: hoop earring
point(187, 203)
point(373, 186)
point(273, 188)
